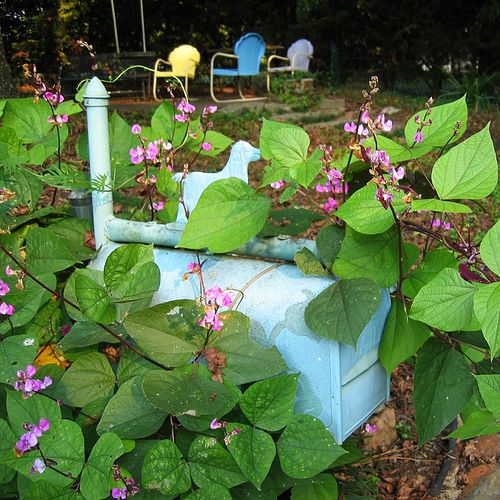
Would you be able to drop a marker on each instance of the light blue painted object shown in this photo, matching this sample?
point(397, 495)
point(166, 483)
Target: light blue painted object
point(338, 384)
point(248, 52)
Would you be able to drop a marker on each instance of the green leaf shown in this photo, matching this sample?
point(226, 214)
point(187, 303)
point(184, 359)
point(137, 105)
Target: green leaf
point(305, 172)
point(27, 187)
point(487, 310)
point(40, 490)
point(246, 360)
point(129, 414)
point(211, 492)
point(489, 387)
point(308, 263)
point(166, 185)
point(478, 423)
point(94, 300)
point(89, 378)
point(402, 337)
point(189, 390)
point(253, 450)
point(469, 170)
point(165, 469)
point(211, 464)
point(167, 332)
point(94, 482)
point(28, 301)
point(31, 410)
point(443, 385)
point(442, 127)
point(218, 141)
point(284, 142)
point(224, 205)
point(28, 119)
point(489, 249)
point(320, 487)
point(290, 221)
point(373, 257)
point(268, 404)
point(397, 152)
point(306, 447)
point(7, 455)
point(64, 444)
point(73, 232)
point(341, 311)
point(363, 213)
point(84, 334)
point(329, 241)
point(15, 354)
point(132, 365)
point(165, 127)
point(429, 268)
point(436, 205)
point(48, 252)
point(446, 302)
point(130, 273)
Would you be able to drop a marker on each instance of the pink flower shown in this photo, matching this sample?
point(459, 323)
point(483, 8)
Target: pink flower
point(58, 120)
point(185, 106)
point(136, 155)
point(6, 309)
point(4, 288)
point(362, 131)
point(53, 98)
point(152, 151)
point(136, 129)
point(418, 137)
point(9, 271)
point(194, 267)
point(333, 174)
point(437, 223)
point(371, 428)
point(29, 440)
point(119, 492)
point(27, 384)
point(208, 110)
point(350, 127)
point(379, 157)
point(206, 146)
point(330, 205)
point(215, 424)
point(385, 125)
point(211, 320)
point(181, 118)
point(385, 197)
point(277, 184)
point(396, 173)
point(365, 116)
point(223, 298)
point(157, 206)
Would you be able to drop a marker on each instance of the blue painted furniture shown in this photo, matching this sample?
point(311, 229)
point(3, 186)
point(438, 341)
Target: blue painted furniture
point(248, 52)
point(338, 384)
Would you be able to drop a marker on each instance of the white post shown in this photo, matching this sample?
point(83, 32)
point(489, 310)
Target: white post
point(96, 100)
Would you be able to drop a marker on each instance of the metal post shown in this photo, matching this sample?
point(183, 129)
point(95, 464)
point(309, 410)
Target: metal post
point(142, 26)
point(115, 27)
point(96, 100)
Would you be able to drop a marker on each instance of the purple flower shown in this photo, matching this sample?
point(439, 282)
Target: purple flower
point(418, 137)
point(185, 106)
point(9, 271)
point(277, 184)
point(53, 98)
point(334, 174)
point(28, 385)
point(208, 110)
point(136, 155)
point(27, 442)
point(136, 129)
point(437, 223)
point(350, 127)
point(181, 118)
point(215, 424)
point(363, 131)
point(206, 146)
point(396, 173)
point(6, 309)
point(4, 288)
point(211, 320)
point(119, 492)
point(58, 120)
point(194, 267)
point(222, 298)
point(365, 116)
point(152, 151)
point(379, 157)
point(385, 125)
point(371, 428)
point(38, 466)
point(330, 205)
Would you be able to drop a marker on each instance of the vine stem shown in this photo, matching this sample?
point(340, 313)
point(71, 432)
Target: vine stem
point(400, 258)
point(60, 296)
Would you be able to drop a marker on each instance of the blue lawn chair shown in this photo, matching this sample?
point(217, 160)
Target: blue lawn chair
point(248, 52)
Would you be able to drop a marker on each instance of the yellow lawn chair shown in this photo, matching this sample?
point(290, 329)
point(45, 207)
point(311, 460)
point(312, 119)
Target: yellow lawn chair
point(183, 61)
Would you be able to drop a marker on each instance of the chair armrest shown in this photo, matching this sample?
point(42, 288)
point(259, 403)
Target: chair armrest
point(281, 58)
point(161, 61)
point(300, 54)
point(220, 54)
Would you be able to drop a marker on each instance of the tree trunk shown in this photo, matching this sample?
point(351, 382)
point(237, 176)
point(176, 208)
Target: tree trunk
point(8, 87)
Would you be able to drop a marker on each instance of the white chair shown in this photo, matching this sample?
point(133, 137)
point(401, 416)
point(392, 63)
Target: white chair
point(298, 56)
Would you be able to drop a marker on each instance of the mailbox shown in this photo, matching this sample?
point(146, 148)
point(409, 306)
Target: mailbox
point(340, 385)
